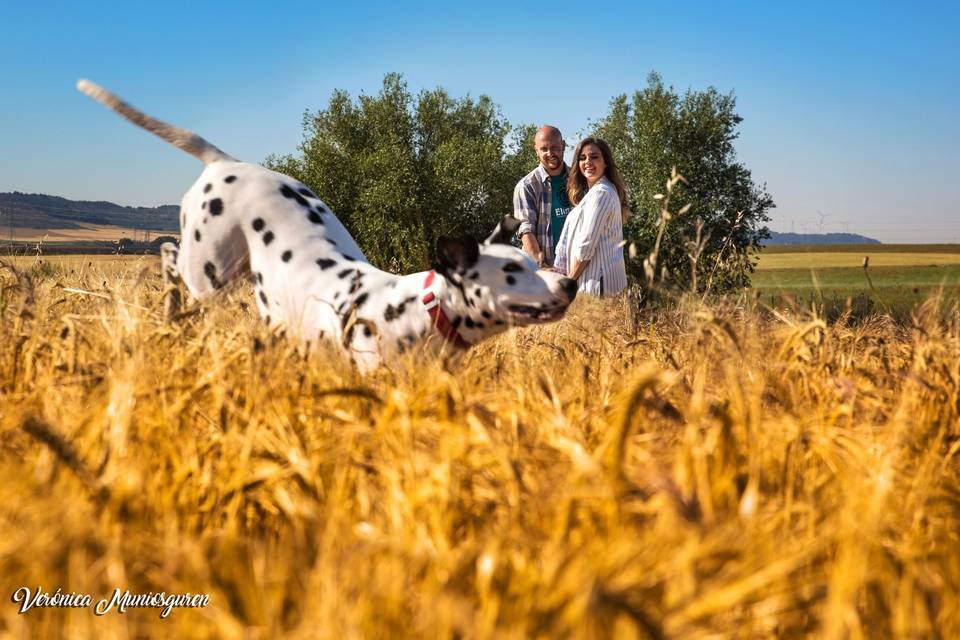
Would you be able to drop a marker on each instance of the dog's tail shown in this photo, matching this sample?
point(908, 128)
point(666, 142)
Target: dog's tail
point(189, 142)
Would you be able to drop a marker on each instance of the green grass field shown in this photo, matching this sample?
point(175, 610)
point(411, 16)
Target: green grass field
point(898, 276)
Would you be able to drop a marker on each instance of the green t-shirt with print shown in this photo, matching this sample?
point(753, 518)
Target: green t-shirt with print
point(559, 206)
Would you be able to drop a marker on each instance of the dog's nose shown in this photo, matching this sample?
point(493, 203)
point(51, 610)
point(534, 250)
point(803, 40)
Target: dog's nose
point(570, 287)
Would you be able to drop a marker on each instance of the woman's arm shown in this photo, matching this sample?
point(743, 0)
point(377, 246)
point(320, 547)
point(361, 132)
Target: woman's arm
point(598, 204)
point(579, 266)
point(597, 207)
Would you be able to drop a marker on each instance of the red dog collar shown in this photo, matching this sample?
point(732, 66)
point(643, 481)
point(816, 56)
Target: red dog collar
point(440, 320)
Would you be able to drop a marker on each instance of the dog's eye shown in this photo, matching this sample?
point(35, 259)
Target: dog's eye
point(512, 267)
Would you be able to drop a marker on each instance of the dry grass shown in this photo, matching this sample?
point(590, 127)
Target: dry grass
point(714, 474)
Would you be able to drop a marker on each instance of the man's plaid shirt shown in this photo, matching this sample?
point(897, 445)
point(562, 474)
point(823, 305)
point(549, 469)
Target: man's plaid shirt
point(531, 206)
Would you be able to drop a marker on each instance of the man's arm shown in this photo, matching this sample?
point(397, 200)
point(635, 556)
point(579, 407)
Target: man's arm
point(525, 210)
point(531, 246)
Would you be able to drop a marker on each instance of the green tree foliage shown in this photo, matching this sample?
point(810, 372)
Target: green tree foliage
point(401, 171)
point(656, 130)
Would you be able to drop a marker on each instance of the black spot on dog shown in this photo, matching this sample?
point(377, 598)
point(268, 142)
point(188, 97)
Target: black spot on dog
point(259, 277)
point(289, 193)
point(286, 255)
point(268, 237)
point(343, 274)
point(210, 270)
point(306, 192)
point(486, 314)
point(346, 257)
point(499, 322)
point(216, 207)
point(258, 224)
point(263, 298)
point(315, 218)
point(204, 205)
point(511, 280)
point(196, 235)
point(455, 323)
point(325, 263)
point(229, 179)
point(207, 188)
point(477, 292)
point(479, 325)
point(355, 286)
point(331, 241)
point(469, 323)
point(474, 275)
point(391, 313)
point(336, 295)
point(512, 267)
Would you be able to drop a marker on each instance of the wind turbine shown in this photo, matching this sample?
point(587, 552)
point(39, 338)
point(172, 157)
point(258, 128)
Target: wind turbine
point(823, 216)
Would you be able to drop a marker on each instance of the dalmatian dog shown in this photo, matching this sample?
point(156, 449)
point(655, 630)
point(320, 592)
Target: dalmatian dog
point(310, 277)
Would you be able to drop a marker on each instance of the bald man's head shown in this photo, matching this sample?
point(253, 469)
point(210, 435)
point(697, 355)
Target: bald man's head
point(549, 145)
point(548, 131)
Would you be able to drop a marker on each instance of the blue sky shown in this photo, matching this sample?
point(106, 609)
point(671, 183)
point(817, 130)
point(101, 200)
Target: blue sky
point(850, 109)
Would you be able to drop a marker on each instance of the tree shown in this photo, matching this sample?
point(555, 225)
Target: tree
point(657, 130)
point(399, 172)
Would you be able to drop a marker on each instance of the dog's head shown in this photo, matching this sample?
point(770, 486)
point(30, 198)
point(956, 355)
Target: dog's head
point(499, 281)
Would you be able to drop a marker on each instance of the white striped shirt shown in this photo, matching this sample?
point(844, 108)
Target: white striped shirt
point(594, 232)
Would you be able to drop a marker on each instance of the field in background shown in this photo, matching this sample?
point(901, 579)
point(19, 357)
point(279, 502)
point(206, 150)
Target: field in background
point(696, 473)
point(58, 264)
point(898, 276)
point(107, 233)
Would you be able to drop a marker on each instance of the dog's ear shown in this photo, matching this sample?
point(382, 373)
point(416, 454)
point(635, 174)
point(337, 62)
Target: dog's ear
point(457, 254)
point(504, 232)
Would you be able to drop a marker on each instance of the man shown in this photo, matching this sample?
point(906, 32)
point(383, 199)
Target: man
point(540, 199)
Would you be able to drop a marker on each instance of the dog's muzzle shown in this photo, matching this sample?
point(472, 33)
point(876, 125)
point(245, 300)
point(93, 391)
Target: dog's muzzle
point(570, 287)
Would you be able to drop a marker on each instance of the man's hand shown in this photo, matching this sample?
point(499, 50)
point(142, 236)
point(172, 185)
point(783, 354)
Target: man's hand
point(532, 247)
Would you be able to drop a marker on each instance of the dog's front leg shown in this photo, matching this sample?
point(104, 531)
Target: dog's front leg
point(171, 276)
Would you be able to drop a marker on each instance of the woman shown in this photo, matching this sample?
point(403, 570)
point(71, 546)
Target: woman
point(590, 247)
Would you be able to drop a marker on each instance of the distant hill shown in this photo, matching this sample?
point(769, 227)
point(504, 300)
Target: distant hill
point(818, 238)
point(38, 211)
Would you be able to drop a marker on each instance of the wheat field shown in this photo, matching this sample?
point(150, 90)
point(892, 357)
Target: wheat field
point(699, 472)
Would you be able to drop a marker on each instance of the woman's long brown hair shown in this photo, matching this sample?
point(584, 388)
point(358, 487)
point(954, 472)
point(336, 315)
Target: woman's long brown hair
point(577, 182)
